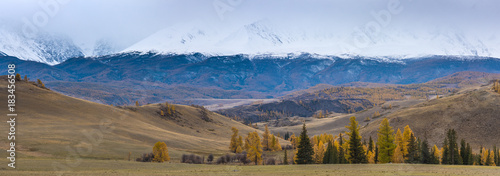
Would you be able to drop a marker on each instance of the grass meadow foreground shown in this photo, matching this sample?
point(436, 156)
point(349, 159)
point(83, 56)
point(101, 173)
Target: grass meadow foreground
point(118, 167)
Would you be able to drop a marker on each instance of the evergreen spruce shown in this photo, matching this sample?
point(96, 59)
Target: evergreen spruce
point(328, 152)
point(425, 155)
point(495, 158)
point(376, 154)
point(470, 156)
point(370, 145)
point(357, 153)
point(304, 149)
point(342, 159)
point(463, 152)
point(446, 159)
point(480, 153)
point(412, 150)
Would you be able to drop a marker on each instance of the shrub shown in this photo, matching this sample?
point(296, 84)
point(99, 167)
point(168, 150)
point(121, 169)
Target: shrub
point(191, 159)
point(270, 161)
point(242, 157)
point(210, 158)
point(221, 160)
point(146, 157)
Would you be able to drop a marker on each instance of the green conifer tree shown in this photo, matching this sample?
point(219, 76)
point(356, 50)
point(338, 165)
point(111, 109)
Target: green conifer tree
point(385, 142)
point(357, 153)
point(425, 155)
point(342, 159)
point(304, 149)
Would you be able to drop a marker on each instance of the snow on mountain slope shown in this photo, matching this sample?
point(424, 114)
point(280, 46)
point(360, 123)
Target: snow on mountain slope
point(45, 48)
point(263, 37)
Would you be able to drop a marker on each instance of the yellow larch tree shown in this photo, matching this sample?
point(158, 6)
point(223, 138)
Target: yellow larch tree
point(233, 145)
point(160, 152)
point(276, 144)
point(484, 156)
point(397, 157)
point(399, 141)
point(265, 139)
point(406, 137)
point(319, 152)
point(491, 158)
point(437, 153)
point(254, 148)
point(293, 140)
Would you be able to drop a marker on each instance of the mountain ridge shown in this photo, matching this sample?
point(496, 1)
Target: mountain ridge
point(264, 74)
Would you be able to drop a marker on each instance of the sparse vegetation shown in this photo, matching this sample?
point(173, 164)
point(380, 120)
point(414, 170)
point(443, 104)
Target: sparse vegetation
point(496, 86)
point(168, 111)
point(146, 157)
point(40, 83)
point(203, 112)
point(18, 77)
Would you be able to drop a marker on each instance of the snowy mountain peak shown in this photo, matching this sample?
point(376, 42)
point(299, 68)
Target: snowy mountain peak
point(264, 37)
point(45, 48)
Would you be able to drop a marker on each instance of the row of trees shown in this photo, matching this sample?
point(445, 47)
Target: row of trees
point(253, 145)
point(380, 95)
point(399, 147)
point(168, 111)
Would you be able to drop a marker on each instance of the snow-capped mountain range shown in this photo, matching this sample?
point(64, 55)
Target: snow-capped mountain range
point(45, 48)
point(48, 48)
point(262, 38)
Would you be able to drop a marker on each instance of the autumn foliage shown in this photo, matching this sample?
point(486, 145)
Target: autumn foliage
point(160, 152)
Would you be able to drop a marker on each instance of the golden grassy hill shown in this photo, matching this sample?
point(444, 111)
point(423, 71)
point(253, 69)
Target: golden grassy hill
point(48, 123)
point(474, 113)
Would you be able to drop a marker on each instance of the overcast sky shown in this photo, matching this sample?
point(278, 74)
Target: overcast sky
point(128, 21)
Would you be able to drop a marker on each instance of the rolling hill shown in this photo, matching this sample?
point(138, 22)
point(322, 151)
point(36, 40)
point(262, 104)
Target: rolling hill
point(473, 111)
point(48, 123)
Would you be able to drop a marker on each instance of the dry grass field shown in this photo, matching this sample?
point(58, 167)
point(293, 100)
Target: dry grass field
point(49, 123)
point(43, 167)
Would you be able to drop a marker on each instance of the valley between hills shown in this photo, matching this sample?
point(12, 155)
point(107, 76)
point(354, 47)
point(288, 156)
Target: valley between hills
point(52, 125)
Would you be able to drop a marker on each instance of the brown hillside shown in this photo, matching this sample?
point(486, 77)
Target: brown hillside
point(474, 113)
point(466, 79)
point(49, 122)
